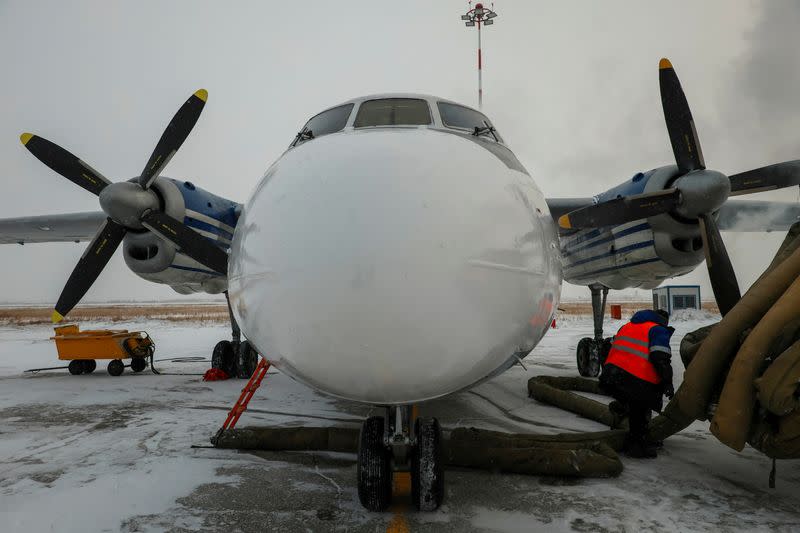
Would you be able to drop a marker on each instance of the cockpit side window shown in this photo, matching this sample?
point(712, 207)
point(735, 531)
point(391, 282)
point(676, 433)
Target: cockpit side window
point(329, 121)
point(463, 118)
point(393, 112)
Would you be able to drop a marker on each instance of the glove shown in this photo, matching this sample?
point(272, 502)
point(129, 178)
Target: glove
point(669, 390)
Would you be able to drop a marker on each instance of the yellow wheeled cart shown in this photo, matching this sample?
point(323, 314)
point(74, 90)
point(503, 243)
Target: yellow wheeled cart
point(81, 348)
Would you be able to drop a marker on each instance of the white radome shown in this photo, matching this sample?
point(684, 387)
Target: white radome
point(393, 266)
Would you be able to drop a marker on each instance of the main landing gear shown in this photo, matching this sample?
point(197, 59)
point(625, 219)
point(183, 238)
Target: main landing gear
point(592, 352)
point(235, 357)
point(397, 442)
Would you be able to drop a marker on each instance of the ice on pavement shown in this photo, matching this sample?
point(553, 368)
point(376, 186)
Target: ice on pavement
point(97, 453)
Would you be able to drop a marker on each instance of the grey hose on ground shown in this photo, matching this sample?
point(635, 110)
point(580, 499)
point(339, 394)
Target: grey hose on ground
point(557, 391)
point(568, 454)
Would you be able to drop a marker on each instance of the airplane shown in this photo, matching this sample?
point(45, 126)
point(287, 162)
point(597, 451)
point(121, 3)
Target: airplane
point(398, 252)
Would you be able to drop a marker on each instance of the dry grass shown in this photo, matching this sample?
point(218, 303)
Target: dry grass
point(218, 313)
point(214, 313)
point(628, 307)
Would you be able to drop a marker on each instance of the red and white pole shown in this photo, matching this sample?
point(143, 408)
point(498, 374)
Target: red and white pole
point(479, 16)
point(480, 69)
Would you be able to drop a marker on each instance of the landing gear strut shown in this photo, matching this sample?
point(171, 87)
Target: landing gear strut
point(397, 442)
point(235, 357)
point(592, 352)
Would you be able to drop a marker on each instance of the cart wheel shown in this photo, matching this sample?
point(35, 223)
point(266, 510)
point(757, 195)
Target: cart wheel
point(89, 366)
point(75, 367)
point(138, 364)
point(115, 367)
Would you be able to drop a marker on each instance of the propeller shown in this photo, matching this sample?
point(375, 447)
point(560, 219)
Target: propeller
point(129, 206)
point(620, 210)
point(696, 194)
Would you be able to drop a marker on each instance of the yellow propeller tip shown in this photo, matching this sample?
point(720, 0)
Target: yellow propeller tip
point(25, 137)
point(664, 63)
point(56, 317)
point(202, 94)
point(563, 221)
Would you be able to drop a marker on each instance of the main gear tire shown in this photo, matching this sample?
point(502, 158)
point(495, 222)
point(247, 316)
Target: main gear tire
point(374, 466)
point(224, 358)
point(247, 361)
point(605, 348)
point(588, 357)
point(427, 465)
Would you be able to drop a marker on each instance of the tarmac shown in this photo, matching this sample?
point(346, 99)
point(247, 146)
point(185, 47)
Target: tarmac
point(98, 453)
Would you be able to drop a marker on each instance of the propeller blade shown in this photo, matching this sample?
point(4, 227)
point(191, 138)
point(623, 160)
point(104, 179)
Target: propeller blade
point(189, 241)
point(720, 269)
point(64, 163)
point(622, 210)
point(777, 176)
point(91, 263)
point(176, 132)
point(678, 116)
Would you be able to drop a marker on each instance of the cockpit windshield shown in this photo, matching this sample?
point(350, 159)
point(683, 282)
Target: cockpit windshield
point(393, 112)
point(329, 121)
point(463, 118)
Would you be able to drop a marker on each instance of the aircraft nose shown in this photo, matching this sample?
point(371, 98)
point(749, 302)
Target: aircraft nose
point(390, 266)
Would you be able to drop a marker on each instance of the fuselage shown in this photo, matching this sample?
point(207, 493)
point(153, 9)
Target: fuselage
point(400, 257)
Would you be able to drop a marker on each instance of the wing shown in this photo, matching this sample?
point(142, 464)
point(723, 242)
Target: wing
point(70, 227)
point(751, 215)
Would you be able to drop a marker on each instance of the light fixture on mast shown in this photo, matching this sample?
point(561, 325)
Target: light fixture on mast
point(475, 17)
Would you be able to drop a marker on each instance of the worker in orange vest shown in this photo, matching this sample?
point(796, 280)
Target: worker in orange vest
point(638, 372)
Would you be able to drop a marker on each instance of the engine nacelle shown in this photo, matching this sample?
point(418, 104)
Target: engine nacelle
point(159, 261)
point(636, 254)
point(677, 240)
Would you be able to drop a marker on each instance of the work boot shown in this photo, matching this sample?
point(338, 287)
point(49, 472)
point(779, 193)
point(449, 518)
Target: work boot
point(618, 408)
point(639, 449)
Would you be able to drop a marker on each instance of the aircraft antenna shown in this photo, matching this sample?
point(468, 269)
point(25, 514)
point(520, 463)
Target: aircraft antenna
point(475, 17)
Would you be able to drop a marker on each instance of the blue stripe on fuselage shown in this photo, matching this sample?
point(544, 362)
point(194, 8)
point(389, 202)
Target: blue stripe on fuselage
point(617, 267)
point(208, 204)
point(202, 271)
point(205, 226)
point(595, 233)
point(622, 250)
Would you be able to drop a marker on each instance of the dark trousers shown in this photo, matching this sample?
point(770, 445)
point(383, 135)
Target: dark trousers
point(638, 417)
point(639, 397)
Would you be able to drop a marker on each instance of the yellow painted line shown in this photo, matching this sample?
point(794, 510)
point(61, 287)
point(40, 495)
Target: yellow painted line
point(401, 492)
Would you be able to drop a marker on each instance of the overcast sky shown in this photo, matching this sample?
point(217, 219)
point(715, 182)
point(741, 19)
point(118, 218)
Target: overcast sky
point(571, 85)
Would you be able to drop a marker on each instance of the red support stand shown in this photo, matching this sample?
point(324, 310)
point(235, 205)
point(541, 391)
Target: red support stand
point(247, 394)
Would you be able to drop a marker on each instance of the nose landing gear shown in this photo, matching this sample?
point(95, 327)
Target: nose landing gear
point(235, 357)
point(400, 442)
point(592, 352)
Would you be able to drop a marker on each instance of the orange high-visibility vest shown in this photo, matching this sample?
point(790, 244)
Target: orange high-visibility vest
point(630, 351)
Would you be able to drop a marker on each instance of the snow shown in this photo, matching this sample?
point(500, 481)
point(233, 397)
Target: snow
point(96, 453)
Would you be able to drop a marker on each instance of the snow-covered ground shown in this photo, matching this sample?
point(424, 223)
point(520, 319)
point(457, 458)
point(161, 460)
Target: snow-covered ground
point(97, 453)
